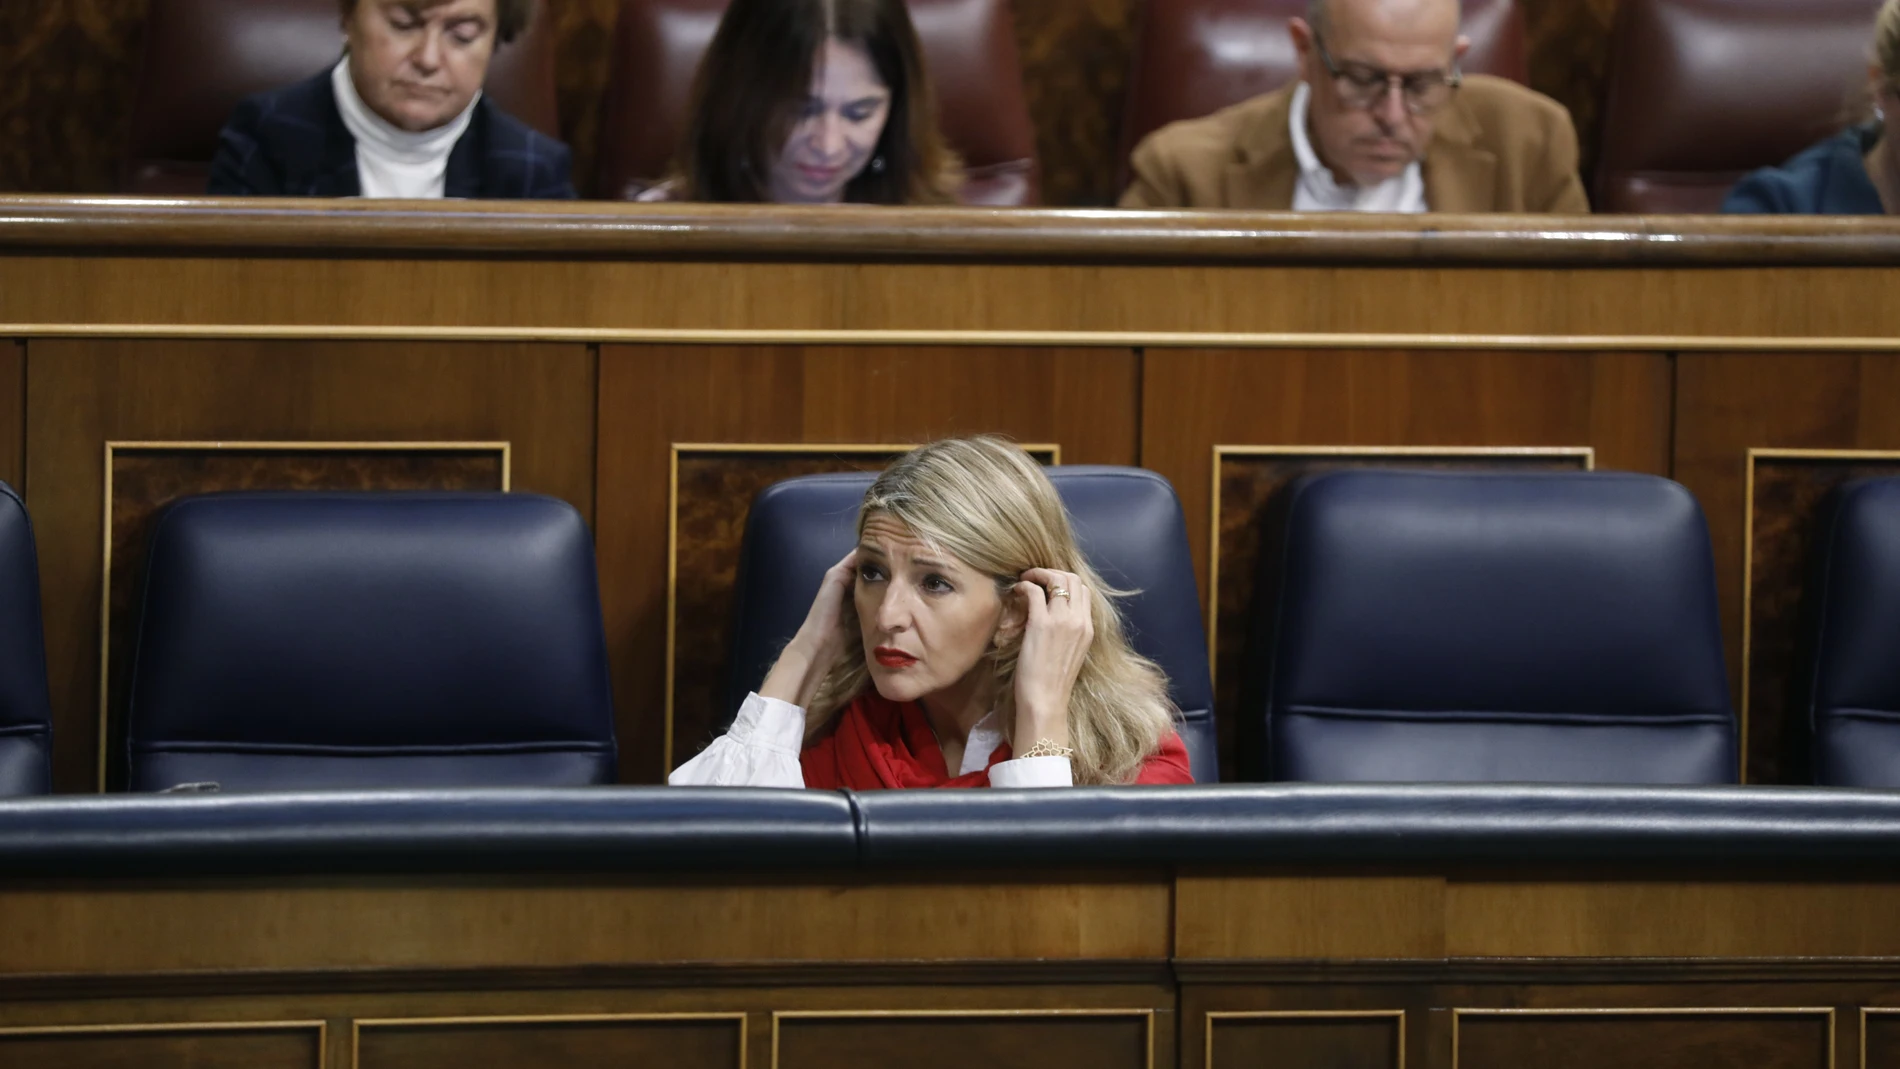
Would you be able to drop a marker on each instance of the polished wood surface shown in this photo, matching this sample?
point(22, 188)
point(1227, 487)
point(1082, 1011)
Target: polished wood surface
point(600, 340)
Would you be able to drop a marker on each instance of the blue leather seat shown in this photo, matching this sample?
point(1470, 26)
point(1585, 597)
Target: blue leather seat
point(26, 721)
point(1538, 627)
point(1854, 689)
point(352, 640)
point(1127, 520)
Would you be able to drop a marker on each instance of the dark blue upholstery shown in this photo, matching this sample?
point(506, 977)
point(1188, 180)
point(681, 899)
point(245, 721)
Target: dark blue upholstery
point(1127, 520)
point(1854, 692)
point(331, 640)
point(26, 721)
point(1538, 627)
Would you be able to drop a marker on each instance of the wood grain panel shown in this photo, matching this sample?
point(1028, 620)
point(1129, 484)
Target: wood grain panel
point(371, 924)
point(82, 394)
point(1309, 917)
point(13, 415)
point(1772, 1039)
point(66, 100)
point(1007, 1039)
point(296, 1045)
point(1076, 56)
point(554, 1042)
point(651, 397)
point(1249, 484)
point(1570, 43)
point(1880, 1038)
point(1729, 403)
point(143, 481)
point(1318, 1039)
point(1192, 399)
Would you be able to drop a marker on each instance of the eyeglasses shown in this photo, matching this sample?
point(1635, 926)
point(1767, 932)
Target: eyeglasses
point(1361, 86)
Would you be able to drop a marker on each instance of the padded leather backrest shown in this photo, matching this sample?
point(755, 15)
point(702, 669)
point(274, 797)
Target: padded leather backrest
point(324, 640)
point(26, 720)
point(1854, 697)
point(1540, 627)
point(1195, 57)
point(1703, 91)
point(201, 57)
point(969, 49)
point(1127, 520)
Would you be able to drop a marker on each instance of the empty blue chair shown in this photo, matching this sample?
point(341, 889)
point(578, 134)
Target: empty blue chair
point(26, 721)
point(353, 640)
point(1127, 520)
point(1538, 627)
point(1854, 688)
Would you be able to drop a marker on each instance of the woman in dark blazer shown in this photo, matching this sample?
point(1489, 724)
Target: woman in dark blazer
point(1855, 172)
point(400, 115)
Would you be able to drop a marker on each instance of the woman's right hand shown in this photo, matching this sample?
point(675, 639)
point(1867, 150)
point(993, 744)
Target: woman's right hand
point(820, 641)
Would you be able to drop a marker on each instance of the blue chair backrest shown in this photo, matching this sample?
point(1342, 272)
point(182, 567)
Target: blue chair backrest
point(1854, 689)
point(26, 721)
point(1536, 627)
point(329, 640)
point(1127, 520)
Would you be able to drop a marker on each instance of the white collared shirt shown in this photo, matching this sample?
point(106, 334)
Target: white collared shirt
point(1318, 191)
point(391, 161)
point(762, 746)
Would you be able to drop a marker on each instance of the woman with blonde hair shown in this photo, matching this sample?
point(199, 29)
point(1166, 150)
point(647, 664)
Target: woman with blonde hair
point(1855, 172)
point(965, 642)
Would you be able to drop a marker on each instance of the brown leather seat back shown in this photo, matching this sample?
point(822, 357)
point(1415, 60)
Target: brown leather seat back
point(203, 56)
point(1704, 91)
point(1195, 57)
point(969, 48)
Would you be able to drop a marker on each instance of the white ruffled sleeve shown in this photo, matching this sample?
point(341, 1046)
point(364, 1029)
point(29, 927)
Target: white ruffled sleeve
point(1033, 772)
point(759, 750)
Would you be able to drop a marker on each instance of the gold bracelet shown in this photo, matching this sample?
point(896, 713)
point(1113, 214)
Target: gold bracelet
point(1045, 748)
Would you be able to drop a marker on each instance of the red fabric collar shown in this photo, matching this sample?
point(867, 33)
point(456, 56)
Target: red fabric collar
point(877, 744)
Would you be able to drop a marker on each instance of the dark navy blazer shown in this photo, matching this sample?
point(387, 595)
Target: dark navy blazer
point(1828, 179)
point(291, 142)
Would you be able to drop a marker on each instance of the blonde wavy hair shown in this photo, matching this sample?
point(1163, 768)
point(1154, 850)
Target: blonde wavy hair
point(988, 503)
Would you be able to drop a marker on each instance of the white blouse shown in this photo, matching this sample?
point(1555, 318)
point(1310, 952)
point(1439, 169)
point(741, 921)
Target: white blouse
point(762, 746)
point(1318, 191)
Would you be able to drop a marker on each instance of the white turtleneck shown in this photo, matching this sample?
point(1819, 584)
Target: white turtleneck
point(390, 161)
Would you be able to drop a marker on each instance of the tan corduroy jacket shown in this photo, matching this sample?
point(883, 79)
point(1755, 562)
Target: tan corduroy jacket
point(1497, 147)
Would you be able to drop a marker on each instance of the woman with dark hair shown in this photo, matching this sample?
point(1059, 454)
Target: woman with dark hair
point(814, 102)
point(400, 115)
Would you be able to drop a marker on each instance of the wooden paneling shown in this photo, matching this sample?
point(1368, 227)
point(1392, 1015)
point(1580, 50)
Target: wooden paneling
point(553, 1042)
point(1192, 400)
point(1880, 1038)
point(651, 397)
point(285, 1046)
point(1317, 1039)
point(1772, 1039)
point(82, 394)
point(1249, 482)
point(13, 414)
point(1309, 917)
point(1007, 1039)
point(1729, 403)
point(497, 924)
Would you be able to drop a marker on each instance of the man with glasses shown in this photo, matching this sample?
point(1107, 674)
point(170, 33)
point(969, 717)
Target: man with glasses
point(1381, 119)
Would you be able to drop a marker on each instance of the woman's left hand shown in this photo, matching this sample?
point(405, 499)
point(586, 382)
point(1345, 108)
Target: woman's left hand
point(1056, 637)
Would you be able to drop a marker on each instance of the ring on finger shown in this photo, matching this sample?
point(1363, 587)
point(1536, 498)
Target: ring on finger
point(1059, 592)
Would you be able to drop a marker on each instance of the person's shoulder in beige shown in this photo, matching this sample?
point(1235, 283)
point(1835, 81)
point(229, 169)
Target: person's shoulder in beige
point(1380, 119)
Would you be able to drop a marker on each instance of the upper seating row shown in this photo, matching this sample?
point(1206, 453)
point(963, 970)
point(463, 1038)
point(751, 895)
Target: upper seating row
point(1701, 91)
point(1415, 626)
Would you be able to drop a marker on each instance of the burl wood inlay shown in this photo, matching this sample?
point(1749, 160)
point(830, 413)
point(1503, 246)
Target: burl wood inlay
point(1247, 486)
point(143, 481)
point(1787, 503)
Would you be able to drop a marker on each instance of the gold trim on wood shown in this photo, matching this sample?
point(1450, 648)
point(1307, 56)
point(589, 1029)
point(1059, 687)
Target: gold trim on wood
point(105, 576)
point(1240, 1015)
point(1865, 1013)
point(672, 532)
point(1748, 556)
point(1148, 1015)
point(322, 1028)
point(1587, 453)
point(357, 1025)
point(1149, 339)
point(1458, 1013)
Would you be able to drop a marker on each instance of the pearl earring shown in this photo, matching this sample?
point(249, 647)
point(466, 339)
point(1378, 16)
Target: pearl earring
point(877, 164)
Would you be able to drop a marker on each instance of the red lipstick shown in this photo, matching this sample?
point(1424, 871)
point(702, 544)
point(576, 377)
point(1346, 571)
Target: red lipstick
point(891, 657)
